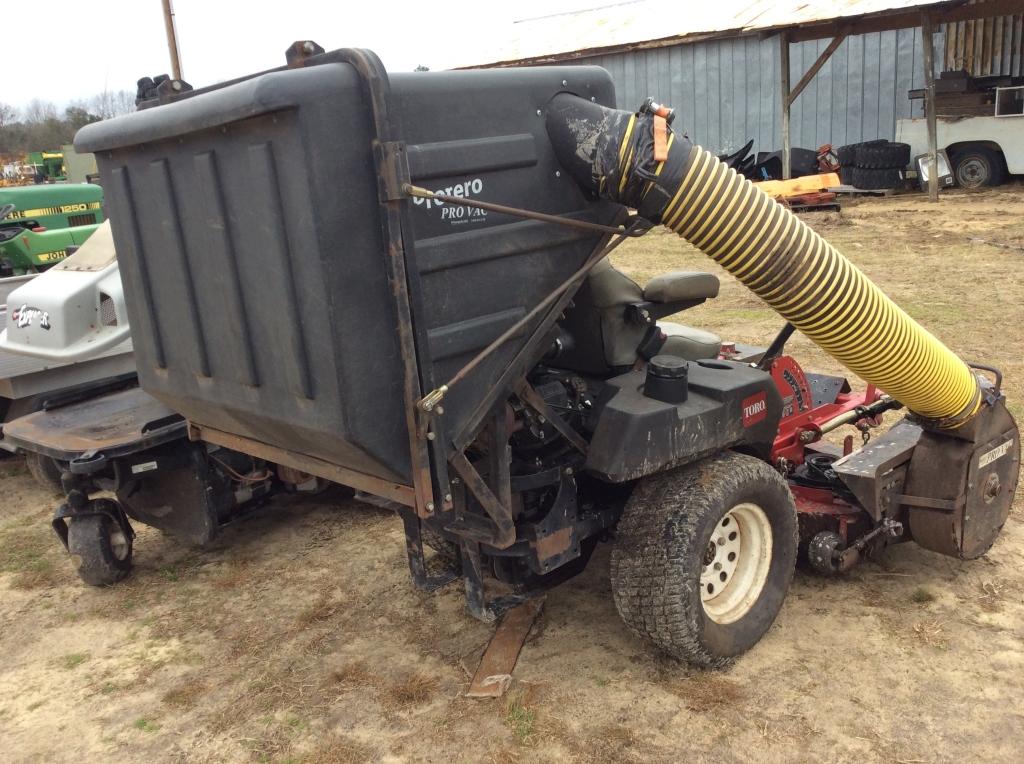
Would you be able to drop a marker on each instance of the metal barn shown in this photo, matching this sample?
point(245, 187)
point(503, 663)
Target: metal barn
point(720, 66)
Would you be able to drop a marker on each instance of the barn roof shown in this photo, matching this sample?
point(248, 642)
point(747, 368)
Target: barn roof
point(637, 24)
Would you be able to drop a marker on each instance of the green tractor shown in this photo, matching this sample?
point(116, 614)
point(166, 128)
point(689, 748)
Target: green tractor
point(47, 165)
point(40, 225)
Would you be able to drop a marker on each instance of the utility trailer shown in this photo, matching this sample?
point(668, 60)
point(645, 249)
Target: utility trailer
point(439, 326)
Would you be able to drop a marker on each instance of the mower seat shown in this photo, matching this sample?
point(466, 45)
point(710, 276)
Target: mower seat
point(626, 312)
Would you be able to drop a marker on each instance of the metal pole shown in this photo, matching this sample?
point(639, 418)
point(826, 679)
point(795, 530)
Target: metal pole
point(787, 153)
point(928, 41)
point(172, 40)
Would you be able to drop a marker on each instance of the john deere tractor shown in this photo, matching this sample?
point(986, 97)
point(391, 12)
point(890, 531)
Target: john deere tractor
point(41, 225)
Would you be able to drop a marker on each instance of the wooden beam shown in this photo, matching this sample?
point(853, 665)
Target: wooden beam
point(787, 152)
point(905, 20)
point(928, 41)
point(816, 66)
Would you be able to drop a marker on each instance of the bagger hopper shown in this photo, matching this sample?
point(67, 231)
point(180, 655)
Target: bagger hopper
point(399, 284)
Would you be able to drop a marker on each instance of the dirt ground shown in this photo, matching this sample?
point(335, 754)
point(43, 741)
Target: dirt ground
point(298, 637)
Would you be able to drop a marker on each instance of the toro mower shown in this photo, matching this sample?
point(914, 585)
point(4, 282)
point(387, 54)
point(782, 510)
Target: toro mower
point(401, 284)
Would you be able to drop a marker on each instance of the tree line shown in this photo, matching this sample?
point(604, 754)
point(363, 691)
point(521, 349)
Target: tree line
point(41, 126)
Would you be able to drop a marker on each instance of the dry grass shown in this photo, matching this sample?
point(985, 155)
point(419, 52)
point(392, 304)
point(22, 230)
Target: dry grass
point(931, 633)
point(339, 750)
point(322, 610)
point(303, 640)
point(184, 695)
point(411, 690)
point(354, 674)
point(707, 692)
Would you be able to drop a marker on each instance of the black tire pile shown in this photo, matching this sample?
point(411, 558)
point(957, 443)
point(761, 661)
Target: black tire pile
point(873, 165)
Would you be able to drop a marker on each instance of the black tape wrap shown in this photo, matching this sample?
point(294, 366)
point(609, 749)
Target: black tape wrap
point(600, 147)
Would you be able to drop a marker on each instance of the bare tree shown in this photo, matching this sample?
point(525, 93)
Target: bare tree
point(8, 115)
point(112, 103)
point(39, 111)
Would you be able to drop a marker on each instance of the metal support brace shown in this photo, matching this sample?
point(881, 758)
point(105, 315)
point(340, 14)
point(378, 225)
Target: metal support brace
point(414, 549)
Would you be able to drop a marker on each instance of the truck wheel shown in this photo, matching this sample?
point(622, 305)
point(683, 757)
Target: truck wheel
point(45, 470)
point(977, 167)
point(100, 549)
point(704, 557)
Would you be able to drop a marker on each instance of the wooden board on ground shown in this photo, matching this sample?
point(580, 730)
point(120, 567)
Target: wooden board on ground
point(494, 674)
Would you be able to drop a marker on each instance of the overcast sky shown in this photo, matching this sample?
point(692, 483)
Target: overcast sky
point(63, 50)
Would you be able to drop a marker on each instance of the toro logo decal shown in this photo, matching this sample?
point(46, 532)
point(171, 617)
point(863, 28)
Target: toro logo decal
point(755, 409)
point(25, 315)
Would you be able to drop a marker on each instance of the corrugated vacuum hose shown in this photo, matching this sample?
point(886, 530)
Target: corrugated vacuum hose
point(766, 247)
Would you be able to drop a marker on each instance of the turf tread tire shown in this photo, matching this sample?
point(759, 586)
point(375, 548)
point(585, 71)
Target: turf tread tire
point(45, 470)
point(447, 551)
point(89, 546)
point(657, 558)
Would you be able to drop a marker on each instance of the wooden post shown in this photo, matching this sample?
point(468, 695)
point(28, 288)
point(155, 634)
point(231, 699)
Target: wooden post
point(787, 152)
point(172, 40)
point(932, 162)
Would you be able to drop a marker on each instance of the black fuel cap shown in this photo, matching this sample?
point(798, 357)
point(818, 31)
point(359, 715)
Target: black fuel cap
point(667, 367)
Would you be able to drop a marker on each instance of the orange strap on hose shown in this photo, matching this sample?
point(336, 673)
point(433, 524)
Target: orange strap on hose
point(660, 138)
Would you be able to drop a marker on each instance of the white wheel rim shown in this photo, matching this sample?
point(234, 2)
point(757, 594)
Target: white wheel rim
point(736, 563)
point(118, 542)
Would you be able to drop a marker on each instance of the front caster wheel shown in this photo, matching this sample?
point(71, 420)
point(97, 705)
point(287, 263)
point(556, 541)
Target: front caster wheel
point(100, 549)
point(822, 550)
point(704, 557)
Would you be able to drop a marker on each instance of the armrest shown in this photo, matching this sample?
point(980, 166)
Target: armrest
point(681, 285)
point(647, 312)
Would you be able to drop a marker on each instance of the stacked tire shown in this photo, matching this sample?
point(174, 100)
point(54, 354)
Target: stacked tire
point(873, 165)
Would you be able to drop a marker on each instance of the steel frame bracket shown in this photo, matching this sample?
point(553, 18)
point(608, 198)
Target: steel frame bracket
point(392, 170)
point(417, 563)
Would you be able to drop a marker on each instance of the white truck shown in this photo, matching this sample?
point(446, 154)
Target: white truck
point(981, 150)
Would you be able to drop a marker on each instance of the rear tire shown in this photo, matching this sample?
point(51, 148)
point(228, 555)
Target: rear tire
point(978, 167)
point(45, 470)
point(704, 556)
point(100, 549)
point(446, 551)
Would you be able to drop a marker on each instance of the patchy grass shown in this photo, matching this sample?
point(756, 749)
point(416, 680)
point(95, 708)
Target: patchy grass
point(29, 553)
point(355, 674)
point(322, 610)
point(931, 633)
point(145, 725)
point(613, 739)
point(339, 749)
point(74, 660)
point(706, 692)
point(412, 690)
point(184, 695)
point(521, 717)
point(922, 596)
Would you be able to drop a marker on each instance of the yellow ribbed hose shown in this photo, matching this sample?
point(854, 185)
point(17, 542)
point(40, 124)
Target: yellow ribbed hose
point(814, 287)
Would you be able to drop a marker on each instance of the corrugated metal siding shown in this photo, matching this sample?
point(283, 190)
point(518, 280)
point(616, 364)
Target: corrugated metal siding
point(727, 91)
point(992, 46)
